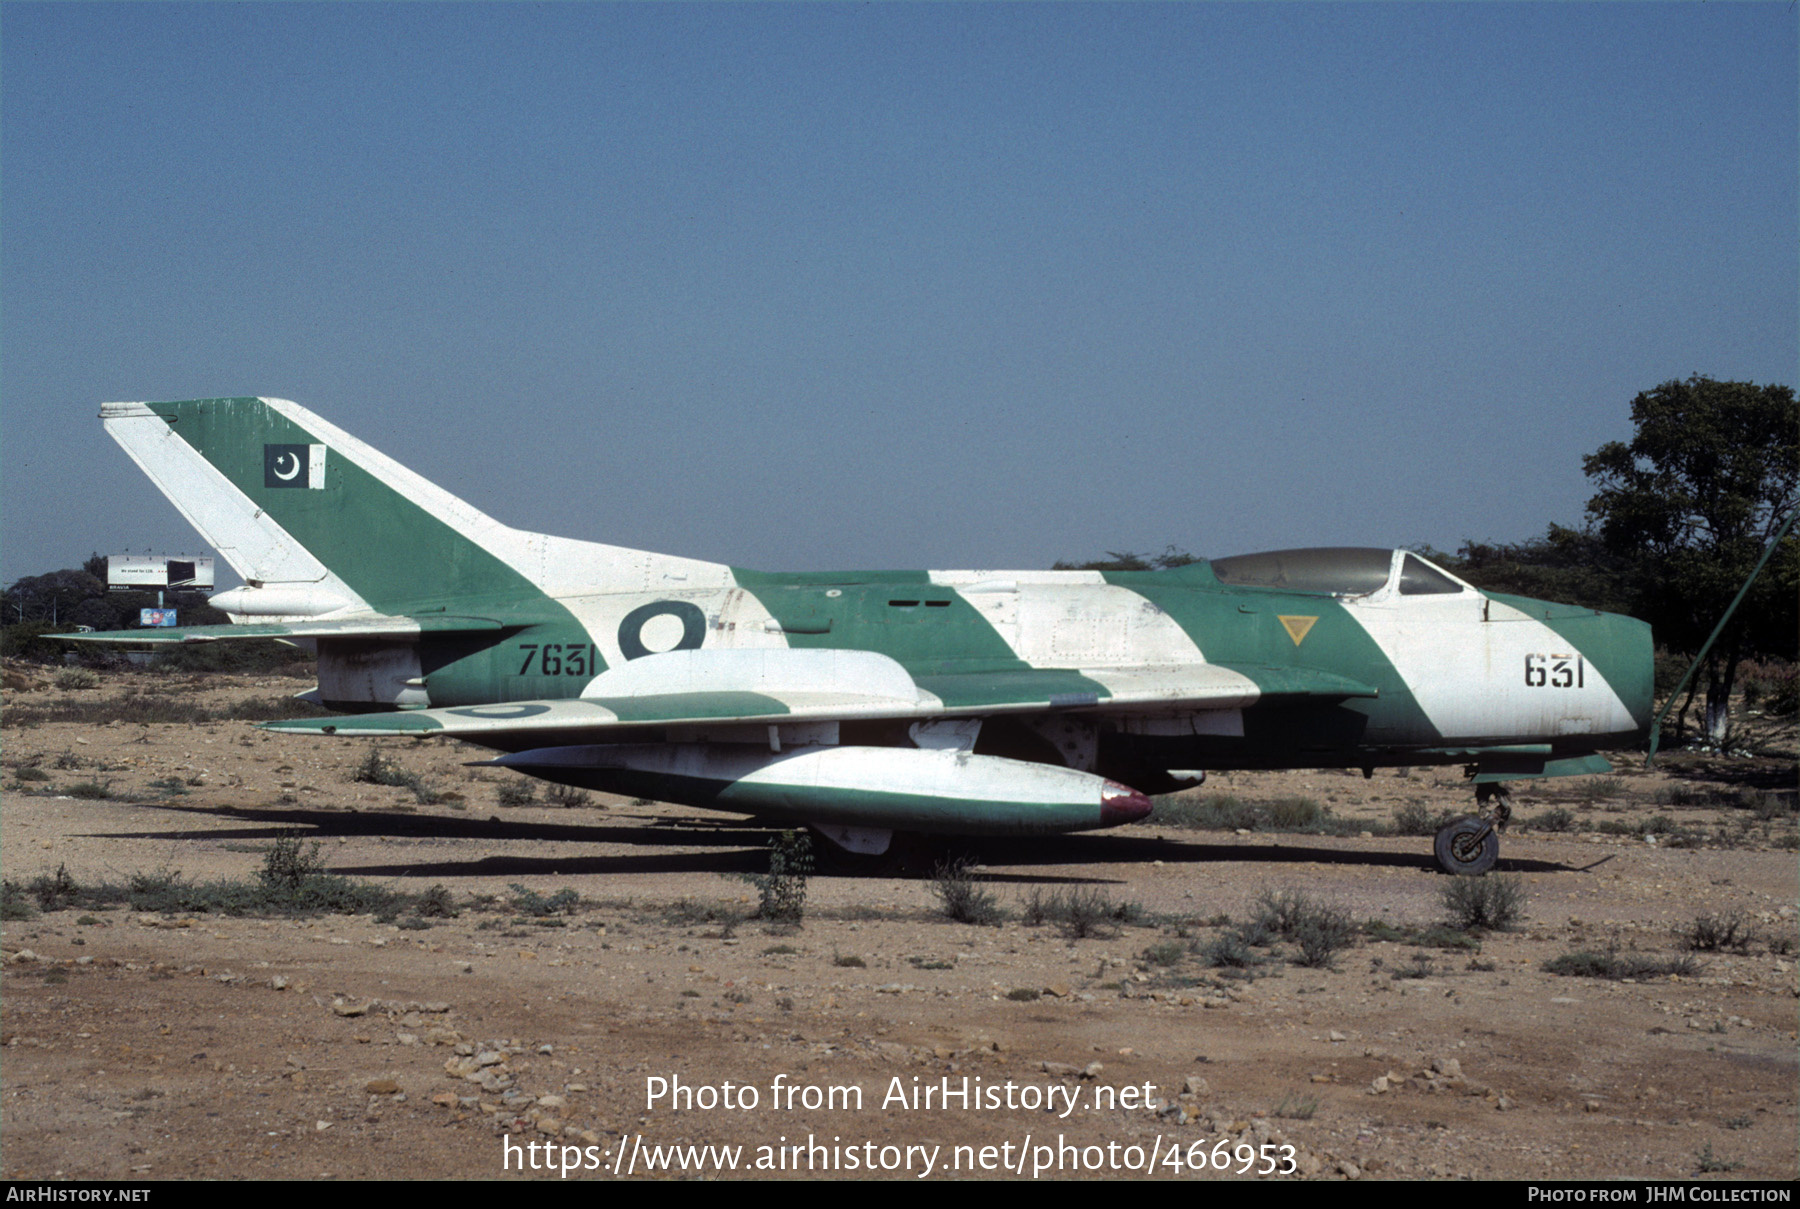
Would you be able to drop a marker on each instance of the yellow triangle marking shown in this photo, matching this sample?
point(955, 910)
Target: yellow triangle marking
point(1297, 627)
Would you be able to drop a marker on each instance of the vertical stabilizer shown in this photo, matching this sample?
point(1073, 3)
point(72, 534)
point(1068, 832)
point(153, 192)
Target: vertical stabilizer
point(298, 506)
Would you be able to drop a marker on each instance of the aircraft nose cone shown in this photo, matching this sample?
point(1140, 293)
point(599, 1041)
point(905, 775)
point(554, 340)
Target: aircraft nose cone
point(1121, 804)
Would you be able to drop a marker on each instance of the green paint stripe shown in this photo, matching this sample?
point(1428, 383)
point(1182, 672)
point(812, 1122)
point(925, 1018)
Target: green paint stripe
point(928, 629)
point(1241, 628)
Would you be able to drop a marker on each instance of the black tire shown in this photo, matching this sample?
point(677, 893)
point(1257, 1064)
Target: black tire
point(1461, 847)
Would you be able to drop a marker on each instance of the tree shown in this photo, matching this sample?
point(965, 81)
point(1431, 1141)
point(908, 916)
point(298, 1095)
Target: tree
point(1691, 502)
point(1125, 560)
point(1572, 566)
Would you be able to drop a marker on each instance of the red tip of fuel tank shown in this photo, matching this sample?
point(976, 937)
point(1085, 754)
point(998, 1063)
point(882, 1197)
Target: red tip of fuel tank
point(1121, 804)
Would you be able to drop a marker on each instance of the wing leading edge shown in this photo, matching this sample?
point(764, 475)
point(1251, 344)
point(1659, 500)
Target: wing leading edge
point(372, 626)
point(796, 686)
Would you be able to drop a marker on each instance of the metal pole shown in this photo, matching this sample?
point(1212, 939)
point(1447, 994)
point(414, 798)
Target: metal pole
point(1656, 726)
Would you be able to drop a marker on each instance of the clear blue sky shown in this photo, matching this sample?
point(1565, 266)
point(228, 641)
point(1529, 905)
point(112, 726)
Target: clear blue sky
point(812, 286)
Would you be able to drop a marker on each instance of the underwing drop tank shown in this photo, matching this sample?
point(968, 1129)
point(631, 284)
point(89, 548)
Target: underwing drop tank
point(910, 789)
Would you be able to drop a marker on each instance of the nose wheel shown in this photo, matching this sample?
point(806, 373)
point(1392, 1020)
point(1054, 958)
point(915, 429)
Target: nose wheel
point(1470, 846)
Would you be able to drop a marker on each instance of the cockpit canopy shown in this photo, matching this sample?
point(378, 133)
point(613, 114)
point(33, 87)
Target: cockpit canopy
point(1335, 571)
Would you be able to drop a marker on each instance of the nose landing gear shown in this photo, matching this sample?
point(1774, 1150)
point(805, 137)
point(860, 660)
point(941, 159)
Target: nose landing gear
point(1470, 846)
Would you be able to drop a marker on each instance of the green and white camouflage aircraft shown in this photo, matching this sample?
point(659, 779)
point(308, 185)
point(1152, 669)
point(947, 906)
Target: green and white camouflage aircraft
point(865, 703)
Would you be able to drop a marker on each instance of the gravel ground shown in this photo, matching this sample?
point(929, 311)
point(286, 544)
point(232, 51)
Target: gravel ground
point(170, 1045)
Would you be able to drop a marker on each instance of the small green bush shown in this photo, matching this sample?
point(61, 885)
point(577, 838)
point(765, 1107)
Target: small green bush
point(288, 865)
point(782, 890)
point(1035, 910)
point(1318, 930)
point(517, 792)
point(1297, 1108)
point(1610, 964)
point(1415, 818)
point(1560, 819)
point(1717, 933)
point(568, 797)
point(55, 891)
point(1083, 912)
point(1766, 807)
point(1219, 813)
point(291, 882)
point(529, 902)
point(376, 769)
point(15, 902)
point(159, 890)
point(77, 678)
point(1447, 938)
point(1707, 1162)
point(1491, 901)
point(1168, 953)
point(1295, 814)
point(437, 903)
point(1320, 938)
point(961, 898)
point(1230, 951)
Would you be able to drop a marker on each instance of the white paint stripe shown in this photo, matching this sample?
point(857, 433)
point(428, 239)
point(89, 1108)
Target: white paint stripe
point(1201, 686)
point(1468, 675)
point(978, 581)
point(856, 674)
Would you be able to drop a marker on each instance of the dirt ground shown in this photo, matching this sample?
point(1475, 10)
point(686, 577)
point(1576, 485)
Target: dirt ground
point(657, 1030)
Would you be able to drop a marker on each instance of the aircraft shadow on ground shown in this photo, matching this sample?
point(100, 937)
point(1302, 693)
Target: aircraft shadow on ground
point(1089, 850)
point(734, 846)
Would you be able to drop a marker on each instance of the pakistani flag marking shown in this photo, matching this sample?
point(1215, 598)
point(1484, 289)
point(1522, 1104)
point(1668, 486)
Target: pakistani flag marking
point(294, 466)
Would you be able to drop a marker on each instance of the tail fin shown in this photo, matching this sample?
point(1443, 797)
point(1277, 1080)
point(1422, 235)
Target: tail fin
point(318, 523)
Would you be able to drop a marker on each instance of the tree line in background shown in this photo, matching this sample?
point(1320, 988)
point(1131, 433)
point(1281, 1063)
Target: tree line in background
point(63, 601)
point(1681, 514)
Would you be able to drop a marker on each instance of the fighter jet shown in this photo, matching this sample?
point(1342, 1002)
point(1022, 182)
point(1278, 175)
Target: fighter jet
point(866, 703)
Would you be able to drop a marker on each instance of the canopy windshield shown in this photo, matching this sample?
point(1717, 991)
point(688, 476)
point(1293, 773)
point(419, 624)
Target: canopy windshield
point(1338, 570)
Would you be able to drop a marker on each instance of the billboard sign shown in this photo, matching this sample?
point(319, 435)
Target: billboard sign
point(156, 617)
point(136, 572)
